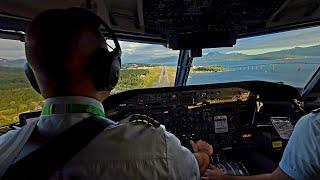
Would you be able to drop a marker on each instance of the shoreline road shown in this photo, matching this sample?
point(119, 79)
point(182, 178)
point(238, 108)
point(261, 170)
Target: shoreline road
point(163, 79)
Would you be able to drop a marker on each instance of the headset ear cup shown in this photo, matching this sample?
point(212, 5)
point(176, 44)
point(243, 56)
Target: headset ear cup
point(32, 79)
point(105, 69)
point(114, 72)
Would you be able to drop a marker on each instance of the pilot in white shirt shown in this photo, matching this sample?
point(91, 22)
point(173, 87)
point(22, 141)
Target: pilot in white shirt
point(154, 153)
point(71, 66)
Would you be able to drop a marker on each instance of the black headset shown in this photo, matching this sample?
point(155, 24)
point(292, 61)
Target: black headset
point(105, 65)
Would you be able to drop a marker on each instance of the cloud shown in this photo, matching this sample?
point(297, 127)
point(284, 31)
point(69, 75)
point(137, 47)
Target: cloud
point(139, 52)
point(135, 52)
point(130, 47)
point(11, 49)
point(276, 42)
point(146, 49)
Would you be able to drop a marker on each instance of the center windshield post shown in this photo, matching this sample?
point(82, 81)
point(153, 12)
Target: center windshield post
point(183, 68)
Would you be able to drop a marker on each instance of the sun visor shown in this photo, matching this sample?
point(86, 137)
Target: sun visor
point(294, 12)
point(123, 15)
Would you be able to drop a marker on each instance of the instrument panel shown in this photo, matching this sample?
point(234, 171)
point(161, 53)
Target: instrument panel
point(246, 122)
point(236, 118)
point(219, 116)
point(211, 96)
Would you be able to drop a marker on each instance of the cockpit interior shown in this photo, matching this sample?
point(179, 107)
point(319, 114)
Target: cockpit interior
point(248, 123)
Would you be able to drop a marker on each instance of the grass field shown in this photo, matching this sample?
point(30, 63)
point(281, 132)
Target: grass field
point(17, 96)
point(137, 78)
point(172, 74)
point(152, 78)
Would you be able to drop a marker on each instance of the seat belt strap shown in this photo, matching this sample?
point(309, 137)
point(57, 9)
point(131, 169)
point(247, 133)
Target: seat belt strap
point(12, 147)
point(53, 155)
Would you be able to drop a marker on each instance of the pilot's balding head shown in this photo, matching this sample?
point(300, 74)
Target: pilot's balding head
point(59, 45)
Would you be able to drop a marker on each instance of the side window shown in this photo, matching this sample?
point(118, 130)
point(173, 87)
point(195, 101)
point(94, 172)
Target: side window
point(143, 66)
point(16, 94)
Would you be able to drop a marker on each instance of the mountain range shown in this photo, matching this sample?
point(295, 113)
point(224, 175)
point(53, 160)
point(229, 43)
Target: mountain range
point(16, 63)
point(208, 59)
point(294, 53)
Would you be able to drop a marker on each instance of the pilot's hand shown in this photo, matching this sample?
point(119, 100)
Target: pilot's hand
point(213, 173)
point(201, 146)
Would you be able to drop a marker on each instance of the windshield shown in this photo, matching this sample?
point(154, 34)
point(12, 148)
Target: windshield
point(288, 57)
point(143, 66)
point(146, 66)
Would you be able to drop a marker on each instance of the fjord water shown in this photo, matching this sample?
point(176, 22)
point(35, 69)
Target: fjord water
point(294, 72)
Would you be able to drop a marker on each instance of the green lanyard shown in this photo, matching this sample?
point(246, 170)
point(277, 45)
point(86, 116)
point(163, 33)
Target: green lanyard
point(72, 108)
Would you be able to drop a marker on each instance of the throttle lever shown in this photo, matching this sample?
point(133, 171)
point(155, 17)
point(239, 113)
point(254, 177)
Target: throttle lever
point(257, 109)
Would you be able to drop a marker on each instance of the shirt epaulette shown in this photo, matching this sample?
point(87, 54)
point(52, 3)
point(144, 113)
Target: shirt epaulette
point(138, 118)
point(316, 110)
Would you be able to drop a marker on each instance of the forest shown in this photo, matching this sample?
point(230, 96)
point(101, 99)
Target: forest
point(16, 94)
point(134, 78)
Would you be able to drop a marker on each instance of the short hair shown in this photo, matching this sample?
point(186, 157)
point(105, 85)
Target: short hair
point(54, 33)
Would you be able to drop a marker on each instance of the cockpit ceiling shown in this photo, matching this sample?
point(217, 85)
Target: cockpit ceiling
point(114, 12)
point(179, 24)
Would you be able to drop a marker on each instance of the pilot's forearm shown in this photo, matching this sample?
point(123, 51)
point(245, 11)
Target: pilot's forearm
point(255, 177)
point(203, 161)
point(276, 174)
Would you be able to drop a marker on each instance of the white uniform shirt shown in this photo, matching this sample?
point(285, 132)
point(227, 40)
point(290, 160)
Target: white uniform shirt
point(301, 158)
point(125, 151)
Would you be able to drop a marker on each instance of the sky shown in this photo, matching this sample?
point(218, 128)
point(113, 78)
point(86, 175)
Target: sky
point(276, 42)
point(10, 49)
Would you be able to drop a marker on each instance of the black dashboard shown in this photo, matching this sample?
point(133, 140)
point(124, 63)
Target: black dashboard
point(233, 117)
point(216, 115)
point(247, 123)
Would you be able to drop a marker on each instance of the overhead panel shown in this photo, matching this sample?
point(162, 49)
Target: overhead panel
point(178, 24)
point(190, 24)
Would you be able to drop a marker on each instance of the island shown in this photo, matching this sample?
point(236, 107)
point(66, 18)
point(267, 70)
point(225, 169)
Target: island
point(206, 69)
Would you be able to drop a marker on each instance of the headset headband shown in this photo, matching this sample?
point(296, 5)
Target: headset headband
point(95, 17)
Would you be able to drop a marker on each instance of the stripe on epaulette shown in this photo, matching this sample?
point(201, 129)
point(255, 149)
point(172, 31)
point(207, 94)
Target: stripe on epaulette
point(316, 110)
point(138, 118)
